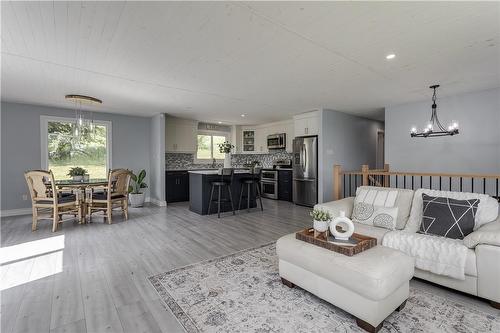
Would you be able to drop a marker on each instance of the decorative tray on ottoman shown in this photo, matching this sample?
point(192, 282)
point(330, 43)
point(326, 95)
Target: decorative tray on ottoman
point(357, 243)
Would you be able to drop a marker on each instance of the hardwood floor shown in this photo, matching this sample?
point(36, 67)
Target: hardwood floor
point(95, 279)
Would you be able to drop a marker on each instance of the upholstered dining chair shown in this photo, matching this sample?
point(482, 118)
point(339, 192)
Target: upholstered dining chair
point(46, 198)
point(114, 195)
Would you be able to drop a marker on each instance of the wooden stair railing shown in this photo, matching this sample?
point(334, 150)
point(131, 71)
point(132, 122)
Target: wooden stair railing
point(372, 180)
point(346, 182)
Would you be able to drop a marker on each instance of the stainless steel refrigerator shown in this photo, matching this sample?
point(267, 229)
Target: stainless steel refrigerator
point(305, 170)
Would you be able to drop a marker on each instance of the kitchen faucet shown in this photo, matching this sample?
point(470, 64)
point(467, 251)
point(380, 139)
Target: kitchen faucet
point(213, 163)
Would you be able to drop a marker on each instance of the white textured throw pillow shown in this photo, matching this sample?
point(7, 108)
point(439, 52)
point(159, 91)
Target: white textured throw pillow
point(487, 209)
point(376, 208)
point(403, 202)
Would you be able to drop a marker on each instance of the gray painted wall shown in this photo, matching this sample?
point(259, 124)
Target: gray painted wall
point(346, 140)
point(475, 150)
point(157, 159)
point(20, 124)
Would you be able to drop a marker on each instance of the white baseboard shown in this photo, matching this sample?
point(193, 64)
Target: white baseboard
point(27, 211)
point(15, 212)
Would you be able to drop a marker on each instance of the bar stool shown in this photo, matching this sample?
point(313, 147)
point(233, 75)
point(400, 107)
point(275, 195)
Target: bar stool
point(226, 179)
point(249, 182)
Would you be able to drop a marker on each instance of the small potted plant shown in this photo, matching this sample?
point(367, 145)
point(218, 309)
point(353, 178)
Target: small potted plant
point(321, 220)
point(225, 148)
point(77, 173)
point(136, 197)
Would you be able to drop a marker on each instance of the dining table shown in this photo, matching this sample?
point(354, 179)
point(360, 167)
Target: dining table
point(83, 189)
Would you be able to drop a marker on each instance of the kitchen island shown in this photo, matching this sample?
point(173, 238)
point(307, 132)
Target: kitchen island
point(200, 184)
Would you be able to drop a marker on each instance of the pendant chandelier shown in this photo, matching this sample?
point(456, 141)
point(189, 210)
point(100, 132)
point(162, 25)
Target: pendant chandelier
point(82, 124)
point(434, 127)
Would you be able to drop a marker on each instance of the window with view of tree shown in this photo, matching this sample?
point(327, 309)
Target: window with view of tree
point(66, 148)
point(208, 148)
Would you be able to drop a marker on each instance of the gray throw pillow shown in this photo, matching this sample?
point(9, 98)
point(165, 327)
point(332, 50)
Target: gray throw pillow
point(447, 217)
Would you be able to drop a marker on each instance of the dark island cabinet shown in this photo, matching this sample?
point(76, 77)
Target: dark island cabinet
point(177, 186)
point(285, 185)
point(200, 184)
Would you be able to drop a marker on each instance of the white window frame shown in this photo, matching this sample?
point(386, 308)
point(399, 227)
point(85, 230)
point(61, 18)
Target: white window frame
point(211, 133)
point(44, 124)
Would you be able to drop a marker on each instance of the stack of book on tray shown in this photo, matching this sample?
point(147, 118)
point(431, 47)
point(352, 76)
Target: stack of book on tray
point(350, 242)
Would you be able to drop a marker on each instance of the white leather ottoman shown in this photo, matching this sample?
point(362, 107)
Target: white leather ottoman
point(369, 285)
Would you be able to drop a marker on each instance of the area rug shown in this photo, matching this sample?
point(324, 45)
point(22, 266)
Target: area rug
point(243, 292)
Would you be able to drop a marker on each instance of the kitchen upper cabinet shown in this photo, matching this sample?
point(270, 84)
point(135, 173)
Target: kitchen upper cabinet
point(248, 140)
point(260, 140)
point(307, 124)
point(290, 135)
point(236, 138)
point(260, 133)
point(180, 135)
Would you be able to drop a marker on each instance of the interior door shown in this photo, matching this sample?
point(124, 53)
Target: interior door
point(380, 150)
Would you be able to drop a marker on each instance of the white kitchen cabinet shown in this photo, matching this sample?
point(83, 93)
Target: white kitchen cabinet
point(180, 135)
point(290, 135)
point(307, 124)
point(260, 133)
point(237, 138)
point(260, 140)
point(286, 127)
point(248, 140)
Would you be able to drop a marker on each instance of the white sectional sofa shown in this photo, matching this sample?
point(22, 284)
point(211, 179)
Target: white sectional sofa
point(482, 264)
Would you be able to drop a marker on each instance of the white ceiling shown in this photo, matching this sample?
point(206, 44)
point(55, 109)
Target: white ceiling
point(214, 61)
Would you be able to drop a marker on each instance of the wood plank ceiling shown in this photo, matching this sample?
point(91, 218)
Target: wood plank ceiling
point(269, 60)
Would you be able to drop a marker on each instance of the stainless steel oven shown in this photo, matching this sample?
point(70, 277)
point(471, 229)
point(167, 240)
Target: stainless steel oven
point(276, 141)
point(269, 184)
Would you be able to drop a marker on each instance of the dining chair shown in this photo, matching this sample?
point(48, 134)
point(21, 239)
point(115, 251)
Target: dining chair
point(46, 198)
point(113, 195)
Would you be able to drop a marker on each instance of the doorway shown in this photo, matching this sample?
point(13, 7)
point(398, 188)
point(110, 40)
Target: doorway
point(380, 159)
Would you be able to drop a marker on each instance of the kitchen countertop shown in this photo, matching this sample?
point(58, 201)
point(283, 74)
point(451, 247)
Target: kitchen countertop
point(278, 169)
point(194, 169)
point(216, 169)
point(199, 169)
point(215, 172)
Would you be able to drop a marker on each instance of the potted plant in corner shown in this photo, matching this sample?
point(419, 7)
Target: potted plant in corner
point(136, 197)
point(78, 174)
point(321, 220)
point(225, 148)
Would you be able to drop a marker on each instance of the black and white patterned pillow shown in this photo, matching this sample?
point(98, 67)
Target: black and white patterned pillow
point(378, 216)
point(448, 217)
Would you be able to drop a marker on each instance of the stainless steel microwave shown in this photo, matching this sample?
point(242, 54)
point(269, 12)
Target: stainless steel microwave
point(276, 141)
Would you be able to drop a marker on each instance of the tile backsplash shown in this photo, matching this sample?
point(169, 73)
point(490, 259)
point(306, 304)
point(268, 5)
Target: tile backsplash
point(183, 161)
point(266, 160)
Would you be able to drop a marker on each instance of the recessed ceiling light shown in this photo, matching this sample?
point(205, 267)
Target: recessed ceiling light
point(243, 115)
point(390, 56)
point(220, 122)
